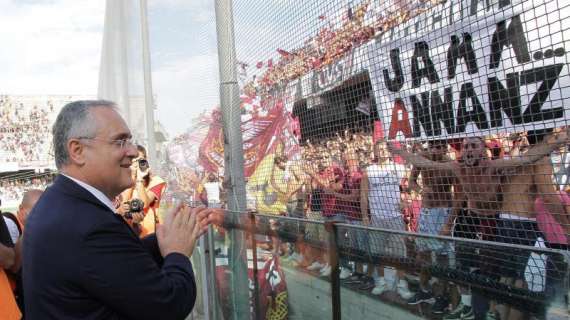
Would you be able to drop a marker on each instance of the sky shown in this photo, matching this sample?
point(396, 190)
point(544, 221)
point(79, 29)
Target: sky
point(53, 47)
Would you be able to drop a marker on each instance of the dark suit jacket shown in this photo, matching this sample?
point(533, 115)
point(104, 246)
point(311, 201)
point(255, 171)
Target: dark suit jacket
point(82, 261)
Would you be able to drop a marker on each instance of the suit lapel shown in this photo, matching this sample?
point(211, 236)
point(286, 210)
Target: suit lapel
point(71, 188)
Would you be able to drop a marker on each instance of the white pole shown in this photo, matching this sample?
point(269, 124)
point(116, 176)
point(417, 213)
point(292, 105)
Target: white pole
point(148, 94)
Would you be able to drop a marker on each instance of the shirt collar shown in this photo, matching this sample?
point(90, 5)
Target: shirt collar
point(95, 192)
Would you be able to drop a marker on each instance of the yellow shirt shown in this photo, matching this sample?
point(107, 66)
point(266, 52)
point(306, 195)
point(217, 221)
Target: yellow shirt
point(268, 200)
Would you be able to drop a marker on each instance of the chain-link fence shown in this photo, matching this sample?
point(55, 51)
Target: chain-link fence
point(413, 153)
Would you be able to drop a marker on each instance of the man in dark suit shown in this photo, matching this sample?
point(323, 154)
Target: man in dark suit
point(81, 260)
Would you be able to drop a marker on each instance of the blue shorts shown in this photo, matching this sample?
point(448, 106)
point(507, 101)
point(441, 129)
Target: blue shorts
point(386, 243)
point(432, 221)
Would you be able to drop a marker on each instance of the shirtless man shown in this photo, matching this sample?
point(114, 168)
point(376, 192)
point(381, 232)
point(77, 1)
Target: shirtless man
point(517, 219)
point(480, 179)
point(479, 176)
point(437, 204)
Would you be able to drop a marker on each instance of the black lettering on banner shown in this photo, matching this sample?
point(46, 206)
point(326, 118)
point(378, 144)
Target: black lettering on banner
point(477, 115)
point(506, 36)
point(475, 3)
point(436, 19)
point(397, 83)
point(442, 111)
point(548, 75)
point(421, 50)
point(461, 50)
point(422, 117)
point(506, 99)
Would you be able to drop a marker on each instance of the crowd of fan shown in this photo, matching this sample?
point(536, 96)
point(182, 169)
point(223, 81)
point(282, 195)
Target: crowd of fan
point(24, 131)
point(14, 189)
point(325, 183)
point(360, 24)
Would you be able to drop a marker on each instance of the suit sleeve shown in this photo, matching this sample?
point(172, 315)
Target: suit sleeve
point(151, 245)
point(119, 271)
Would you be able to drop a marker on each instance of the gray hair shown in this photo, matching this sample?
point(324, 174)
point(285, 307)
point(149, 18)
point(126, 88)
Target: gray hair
point(75, 121)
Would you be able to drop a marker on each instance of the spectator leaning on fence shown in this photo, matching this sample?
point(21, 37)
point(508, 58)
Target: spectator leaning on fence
point(437, 196)
point(380, 192)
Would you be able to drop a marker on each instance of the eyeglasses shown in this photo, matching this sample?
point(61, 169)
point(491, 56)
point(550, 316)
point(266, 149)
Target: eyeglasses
point(121, 143)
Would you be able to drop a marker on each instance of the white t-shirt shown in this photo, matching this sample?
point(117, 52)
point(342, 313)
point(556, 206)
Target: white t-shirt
point(13, 229)
point(384, 190)
point(212, 191)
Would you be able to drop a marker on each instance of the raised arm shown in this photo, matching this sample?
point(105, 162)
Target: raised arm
point(536, 152)
point(418, 160)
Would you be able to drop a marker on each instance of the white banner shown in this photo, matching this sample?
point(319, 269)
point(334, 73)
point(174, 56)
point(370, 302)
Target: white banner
point(465, 68)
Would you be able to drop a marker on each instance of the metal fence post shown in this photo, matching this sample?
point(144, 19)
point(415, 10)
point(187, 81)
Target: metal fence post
point(214, 306)
point(203, 252)
point(255, 271)
point(234, 181)
point(334, 259)
point(148, 94)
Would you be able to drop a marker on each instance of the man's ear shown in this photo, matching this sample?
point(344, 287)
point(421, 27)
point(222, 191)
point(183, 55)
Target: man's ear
point(76, 152)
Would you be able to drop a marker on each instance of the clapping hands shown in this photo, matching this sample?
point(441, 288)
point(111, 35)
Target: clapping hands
point(181, 229)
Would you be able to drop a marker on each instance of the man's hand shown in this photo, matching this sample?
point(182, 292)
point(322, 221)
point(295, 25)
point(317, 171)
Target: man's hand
point(557, 134)
point(138, 217)
point(182, 227)
point(123, 208)
point(216, 217)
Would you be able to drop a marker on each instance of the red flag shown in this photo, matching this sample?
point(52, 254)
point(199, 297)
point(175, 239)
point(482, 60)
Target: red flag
point(378, 131)
point(270, 63)
point(296, 127)
point(322, 17)
point(273, 291)
point(259, 64)
point(284, 53)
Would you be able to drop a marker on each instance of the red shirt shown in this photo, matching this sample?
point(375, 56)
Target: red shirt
point(350, 208)
point(336, 175)
point(411, 213)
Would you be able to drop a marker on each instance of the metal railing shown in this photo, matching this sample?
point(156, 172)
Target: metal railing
point(538, 303)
